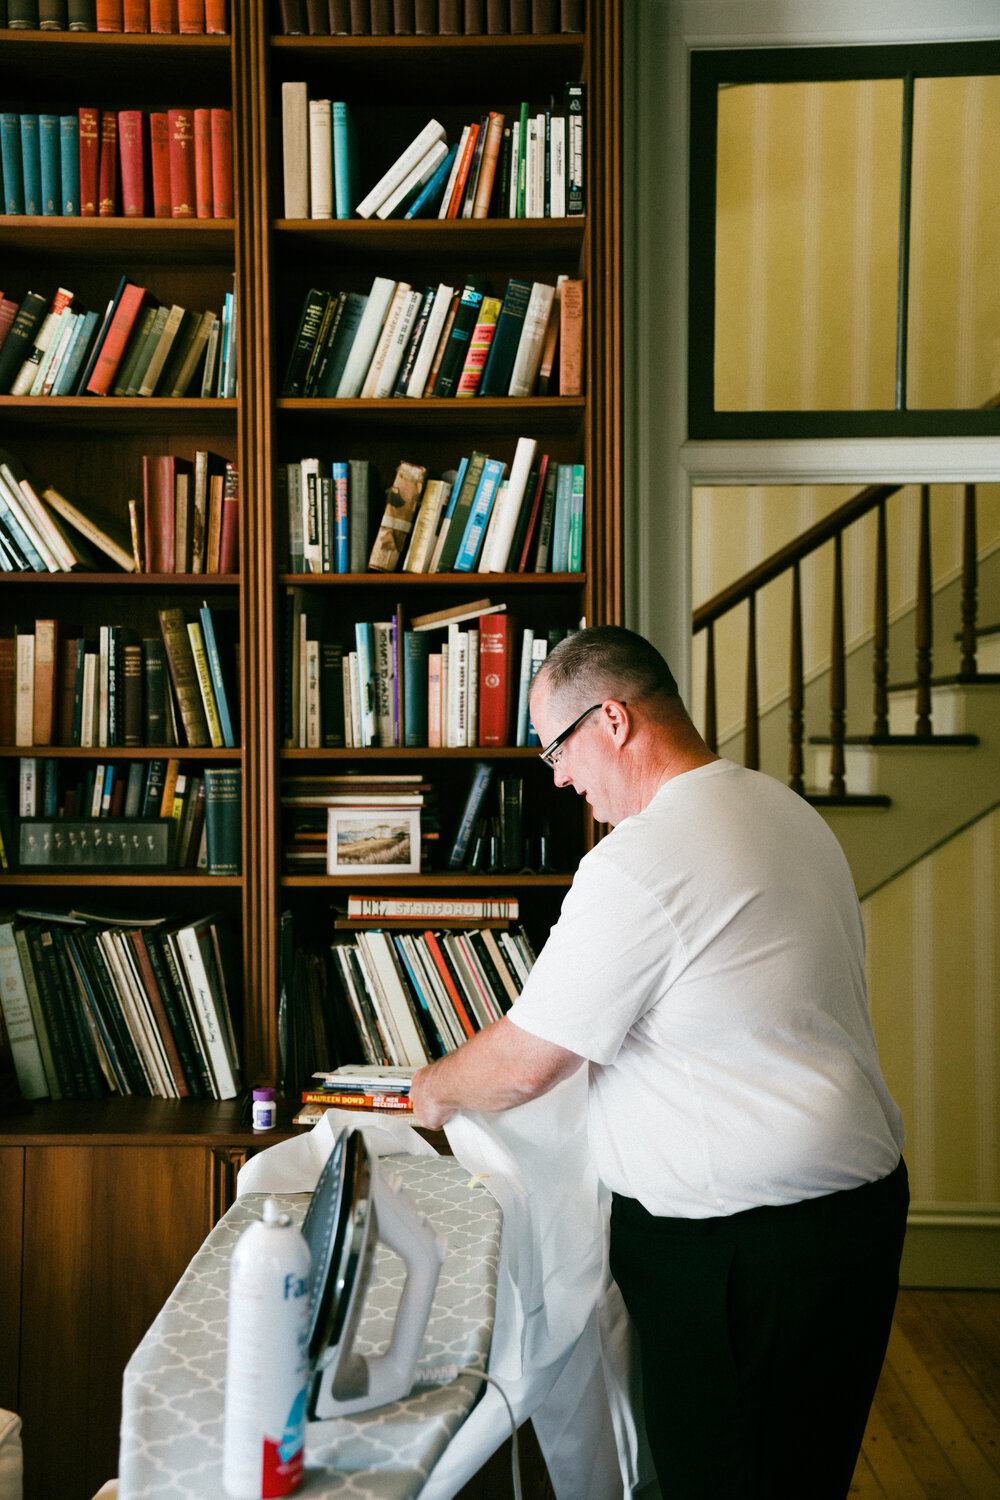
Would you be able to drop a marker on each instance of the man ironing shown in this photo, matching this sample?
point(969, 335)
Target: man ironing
point(708, 965)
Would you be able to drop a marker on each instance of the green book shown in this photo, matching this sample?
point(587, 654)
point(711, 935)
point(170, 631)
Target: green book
point(460, 515)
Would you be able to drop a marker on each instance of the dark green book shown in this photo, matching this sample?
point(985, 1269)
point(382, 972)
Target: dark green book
point(331, 694)
point(506, 337)
point(310, 322)
point(460, 515)
point(462, 328)
point(416, 649)
point(223, 819)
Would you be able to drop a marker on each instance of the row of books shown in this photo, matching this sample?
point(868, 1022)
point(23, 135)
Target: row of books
point(437, 341)
point(393, 686)
point(529, 167)
point(186, 17)
point(475, 518)
point(53, 346)
point(429, 17)
point(190, 521)
point(160, 812)
point(92, 1007)
point(110, 163)
point(59, 687)
point(344, 823)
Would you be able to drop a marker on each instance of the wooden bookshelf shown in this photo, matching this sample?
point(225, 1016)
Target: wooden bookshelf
point(93, 447)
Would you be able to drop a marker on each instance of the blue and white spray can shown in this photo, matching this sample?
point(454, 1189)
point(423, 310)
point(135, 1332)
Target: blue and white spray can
point(267, 1359)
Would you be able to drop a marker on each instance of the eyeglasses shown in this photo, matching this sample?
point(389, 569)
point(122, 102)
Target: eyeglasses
point(550, 755)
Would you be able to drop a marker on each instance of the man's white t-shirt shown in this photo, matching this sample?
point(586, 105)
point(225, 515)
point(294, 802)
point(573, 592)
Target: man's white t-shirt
point(709, 963)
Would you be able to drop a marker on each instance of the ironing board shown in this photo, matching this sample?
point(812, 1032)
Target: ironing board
point(172, 1403)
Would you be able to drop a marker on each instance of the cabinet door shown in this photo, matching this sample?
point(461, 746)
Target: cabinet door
point(108, 1231)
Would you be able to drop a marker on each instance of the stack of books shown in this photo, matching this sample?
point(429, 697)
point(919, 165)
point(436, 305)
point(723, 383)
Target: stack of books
point(168, 164)
point(184, 17)
point(137, 347)
point(125, 1005)
point(321, 813)
point(429, 17)
point(352, 1087)
point(398, 340)
point(61, 687)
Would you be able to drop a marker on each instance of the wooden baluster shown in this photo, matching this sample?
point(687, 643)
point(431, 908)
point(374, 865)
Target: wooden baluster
point(880, 657)
point(796, 690)
point(751, 733)
point(970, 584)
point(838, 698)
point(711, 718)
point(924, 618)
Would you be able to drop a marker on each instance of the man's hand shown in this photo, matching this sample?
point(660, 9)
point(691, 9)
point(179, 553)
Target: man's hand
point(498, 1068)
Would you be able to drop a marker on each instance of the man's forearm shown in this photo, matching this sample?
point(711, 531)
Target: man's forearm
point(500, 1067)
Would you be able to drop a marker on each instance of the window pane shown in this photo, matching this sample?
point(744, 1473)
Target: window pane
point(954, 327)
point(807, 246)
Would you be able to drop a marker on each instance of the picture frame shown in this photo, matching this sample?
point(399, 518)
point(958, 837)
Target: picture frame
point(376, 840)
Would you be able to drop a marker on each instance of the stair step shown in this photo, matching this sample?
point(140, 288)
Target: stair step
point(848, 799)
point(927, 740)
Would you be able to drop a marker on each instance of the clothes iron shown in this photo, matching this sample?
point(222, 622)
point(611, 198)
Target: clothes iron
point(356, 1204)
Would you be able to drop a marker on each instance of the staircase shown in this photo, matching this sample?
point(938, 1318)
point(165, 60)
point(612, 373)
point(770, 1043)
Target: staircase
point(930, 764)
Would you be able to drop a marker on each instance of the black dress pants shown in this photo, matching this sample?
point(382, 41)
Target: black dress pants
point(762, 1335)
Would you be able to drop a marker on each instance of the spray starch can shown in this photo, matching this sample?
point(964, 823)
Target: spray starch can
point(267, 1361)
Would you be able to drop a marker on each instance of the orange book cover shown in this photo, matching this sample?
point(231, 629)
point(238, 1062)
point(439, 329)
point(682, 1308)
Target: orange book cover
point(445, 973)
point(180, 124)
point(46, 658)
point(487, 172)
point(571, 338)
point(191, 17)
point(90, 152)
point(163, 16)
point(130, 131)
point(109, 15)
point(136, 13)
point(107, 176)
point(117, 337)
point(462, 174)
point(222, 163)
point(216, 17)
point(203, 163)
point(159, 150)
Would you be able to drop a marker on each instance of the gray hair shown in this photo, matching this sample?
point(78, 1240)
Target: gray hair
point(604, 661)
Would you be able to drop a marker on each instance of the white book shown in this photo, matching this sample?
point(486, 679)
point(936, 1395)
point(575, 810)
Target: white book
point(46, 524)
point(27, 787)
point(422, 172)
point(357, 740)
point(502, 536)
point(539, 651)
point(472, 689)
point(458, 685)
point(311, 474)
point(557, 168)
point(24, 679)
point(383, 679)
point(42, 384)
point(524, 682)
point(387, 333)
point(19, 1020)
point(515, 139)
point(198, 964)
point(347, 685)
point(19, 504)
point(397, 346)
point(453, 174)
point(532, 206)
point(429, 342)
point(432, 504)
point(320, 160)
point(377, 947)
point(366, 338)
point(295, 149)
point(529, 348)
point(312, 739)
point(400, 168)
point(88, 724)
point(491, 526)
point(103, 657)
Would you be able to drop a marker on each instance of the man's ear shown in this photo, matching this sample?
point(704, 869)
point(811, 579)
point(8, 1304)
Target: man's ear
point(617, 720)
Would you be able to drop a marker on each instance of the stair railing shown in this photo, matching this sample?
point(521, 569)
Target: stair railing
point(789, 558)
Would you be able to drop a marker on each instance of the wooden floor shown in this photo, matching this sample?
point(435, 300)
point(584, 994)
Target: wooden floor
point(934, 1429)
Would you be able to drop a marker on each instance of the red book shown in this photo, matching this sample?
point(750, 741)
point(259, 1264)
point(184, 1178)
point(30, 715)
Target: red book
point(137, 15)
point(498, 637)
point(133, 181)
point(229, 540)
point(8, 688)
point(90, 155)
point(159, 151)
point(163, 16)
point(117, 336)
point(449, 984)
point(110, 15)
point(180, 123)
point(216, 18)
point(536, 509)
point(159, 486)
point(191, 17)
point(107, 179)
point(458, 192)
point(203, 163)
point(222, 164)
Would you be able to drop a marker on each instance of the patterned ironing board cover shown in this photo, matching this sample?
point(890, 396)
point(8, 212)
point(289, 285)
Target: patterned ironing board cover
point(171, 1437)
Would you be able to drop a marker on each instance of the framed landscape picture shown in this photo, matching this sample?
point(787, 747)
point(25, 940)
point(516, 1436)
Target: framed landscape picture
point(379, 839)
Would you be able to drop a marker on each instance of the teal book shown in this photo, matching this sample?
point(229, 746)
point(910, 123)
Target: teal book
point(83, 334)
point(10, 157)
point(416, 649)
point(223, 819)
point(575, 561)
point(506, 337)
point(561, 520)
point(31, 164)
point(69, 165)
point(219, 678)
point(51, 170)
point(463, 497)
point(345, 159)
point(425, 205)
point(479, 515)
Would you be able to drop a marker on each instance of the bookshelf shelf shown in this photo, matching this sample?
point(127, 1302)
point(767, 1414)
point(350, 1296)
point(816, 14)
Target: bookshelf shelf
point(118, 752)
point(552, 414)
point(414, 753)
point(453, 881)
point(556, 239)
point(120, 413)
point(467, 582)
point(176, 880)
point(117, 240)
point(168, 582)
